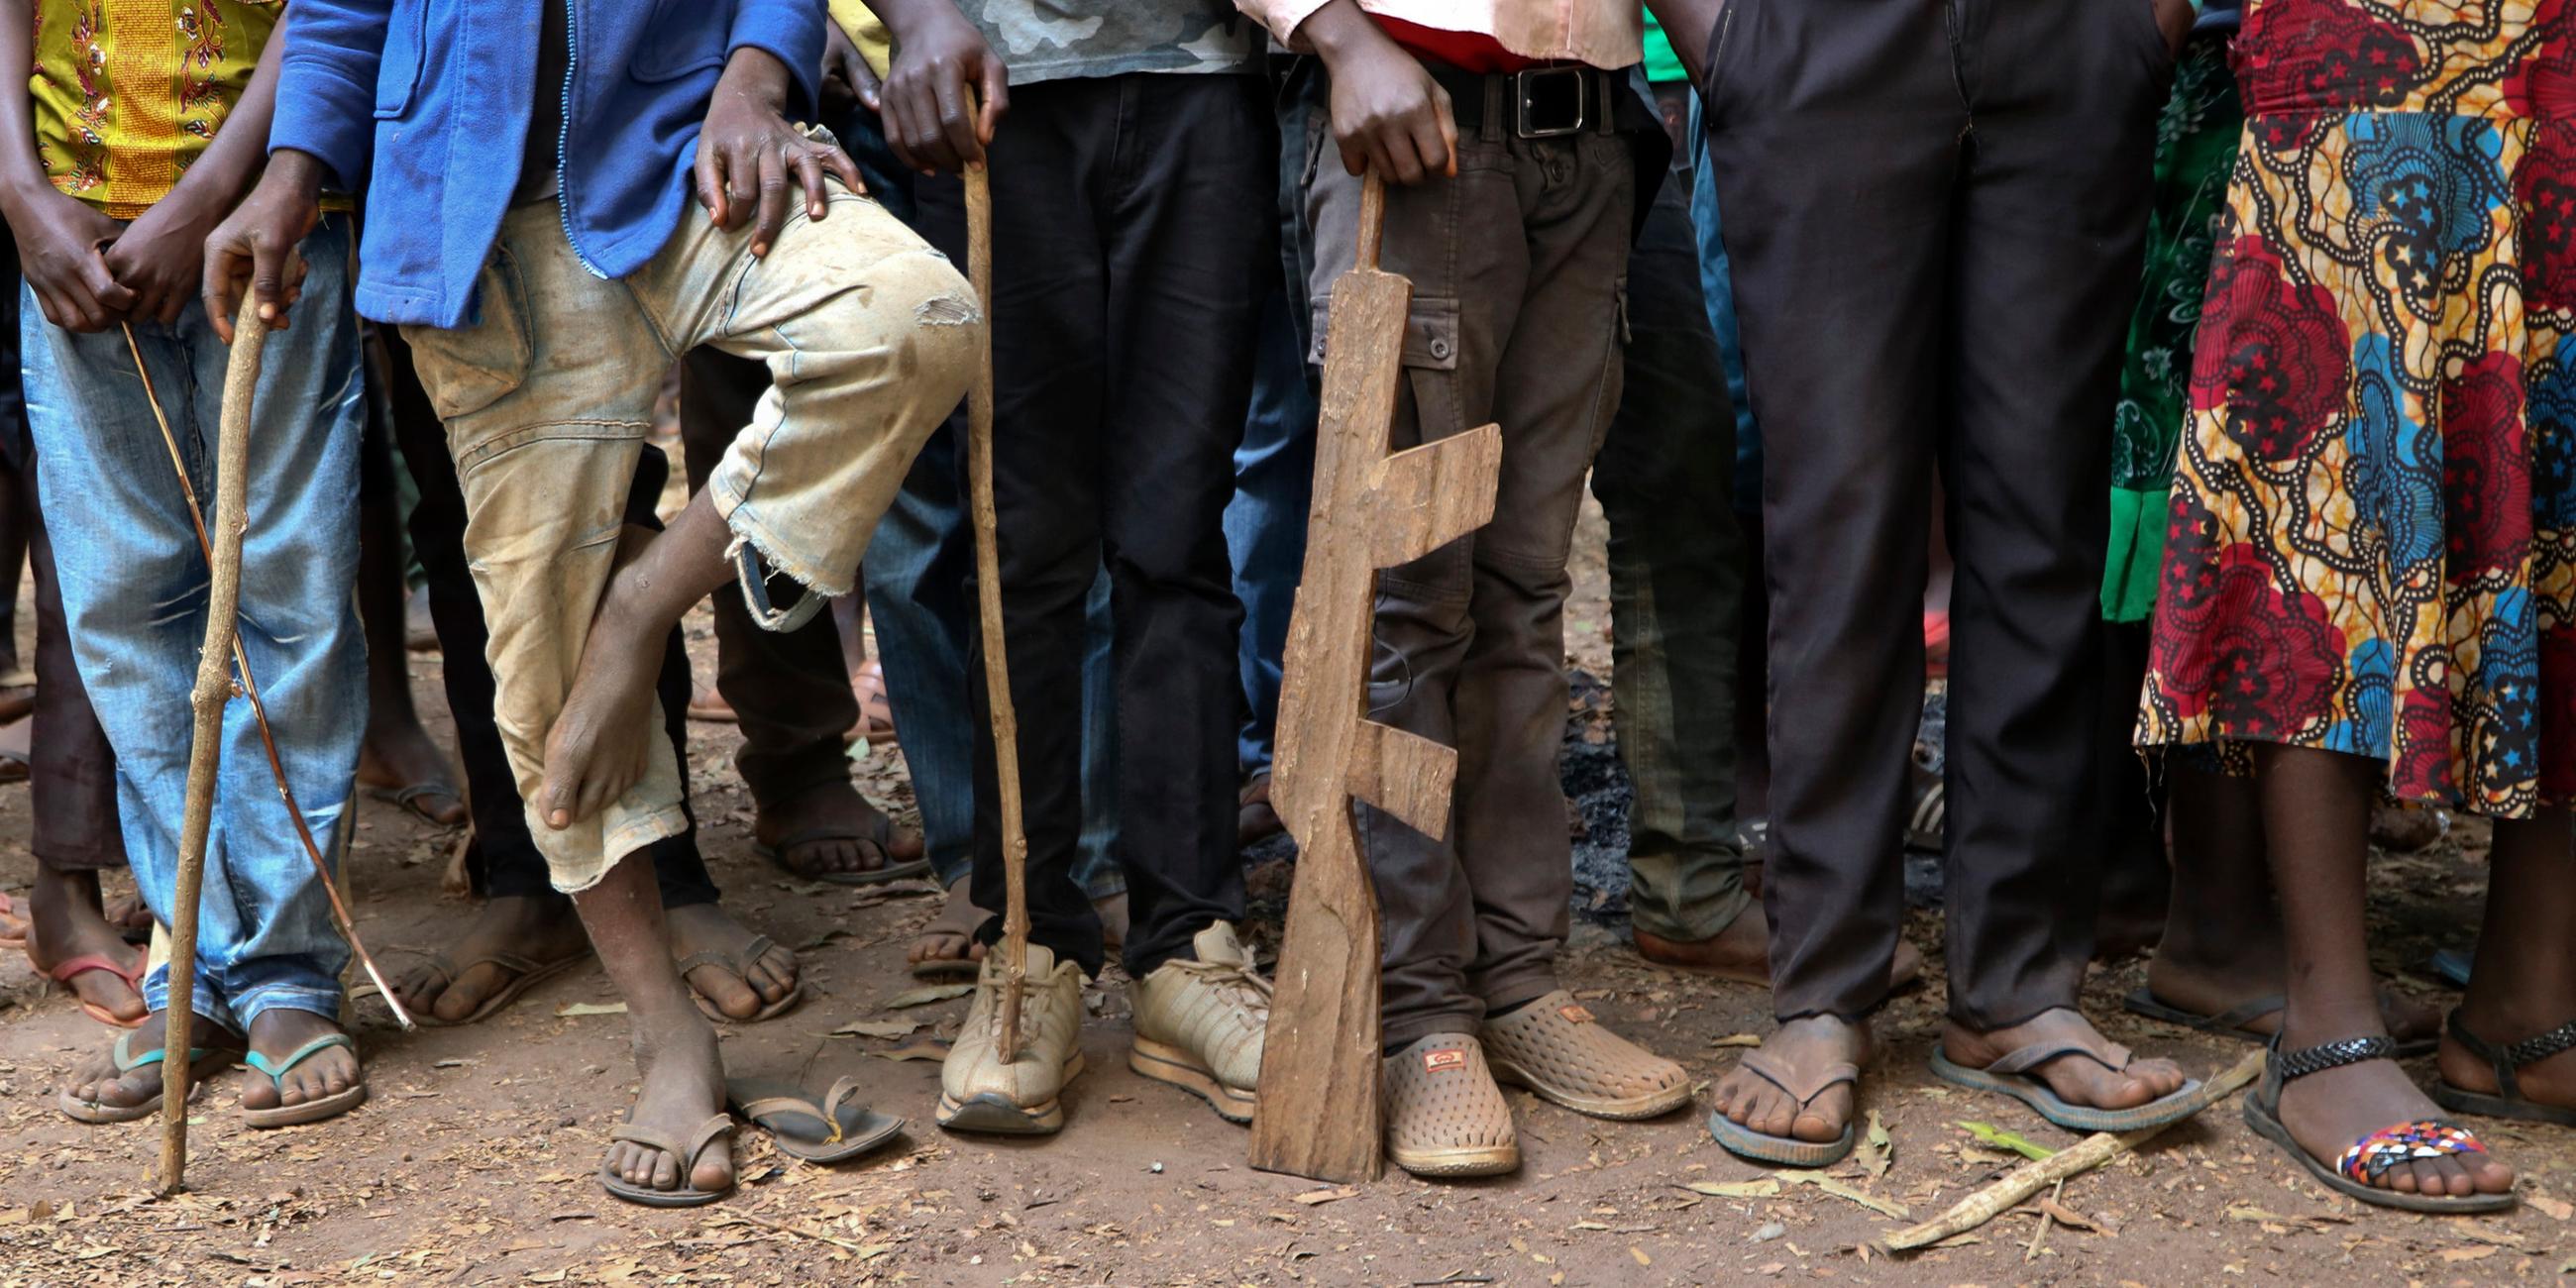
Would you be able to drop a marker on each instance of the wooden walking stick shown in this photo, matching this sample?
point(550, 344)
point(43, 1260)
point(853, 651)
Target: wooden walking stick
point(988, 595)
point(1317, 1110)
point(214, 690)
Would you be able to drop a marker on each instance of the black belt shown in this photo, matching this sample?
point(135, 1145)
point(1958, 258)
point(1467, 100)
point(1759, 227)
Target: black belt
point(1535, 103)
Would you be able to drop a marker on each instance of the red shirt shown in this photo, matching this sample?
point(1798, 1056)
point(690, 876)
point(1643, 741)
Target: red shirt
point(1468, 50)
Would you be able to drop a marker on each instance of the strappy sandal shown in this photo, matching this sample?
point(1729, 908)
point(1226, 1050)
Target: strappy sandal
point(66, 970)
point(525, 973)
point(838, 1129)
point(2507, 1101)
point(880, 837)
point(1744, 1142)
point(203, 1062)
point(311, 1111)
point(2231, 1022)
point(688, 1195)
point(2371, 1156)
point(2011, 1076)
point(738, 962)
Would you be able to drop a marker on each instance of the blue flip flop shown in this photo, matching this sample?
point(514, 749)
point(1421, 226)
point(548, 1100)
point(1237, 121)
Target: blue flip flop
point(311, 1111)
point(1744, 1142)
point(2012, 1076)
point(97, 1112)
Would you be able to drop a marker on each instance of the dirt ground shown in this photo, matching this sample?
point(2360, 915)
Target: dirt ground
point(473, 1161)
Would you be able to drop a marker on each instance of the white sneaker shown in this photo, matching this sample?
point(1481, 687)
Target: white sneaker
point(1199, 1023)
point(977, 1092)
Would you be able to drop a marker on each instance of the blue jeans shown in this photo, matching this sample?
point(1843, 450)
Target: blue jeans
point(134, 589)
point(916, 574)
point(1717, 287)
point(1265, 523)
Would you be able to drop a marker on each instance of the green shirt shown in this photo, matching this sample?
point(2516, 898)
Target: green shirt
point(1662, 64)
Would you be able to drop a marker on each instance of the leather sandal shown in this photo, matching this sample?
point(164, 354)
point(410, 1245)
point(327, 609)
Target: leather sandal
point(2232, 1022)
point(2354, 1174)
point(715, 1128)
point(839, 1128)
point(878, 837)
point(2507, 1101)
point(1761, 1147)
point(2012, 1076)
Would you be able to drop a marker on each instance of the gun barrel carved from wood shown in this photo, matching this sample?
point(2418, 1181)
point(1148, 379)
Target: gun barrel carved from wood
point(1317, 1113)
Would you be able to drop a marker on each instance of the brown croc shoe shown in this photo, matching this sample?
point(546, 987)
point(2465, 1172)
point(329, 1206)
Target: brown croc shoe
point(1554, 1047)
point(1444, 1115)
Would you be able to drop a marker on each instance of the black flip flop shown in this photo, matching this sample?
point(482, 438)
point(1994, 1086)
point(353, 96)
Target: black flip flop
point(716, 1127)
point(836, 1130)
point(2375, 1153)
point(1761, 1147)
point(2231, 1022)
point(2011, 1076)
point(881, 837)
point(2506, 1101)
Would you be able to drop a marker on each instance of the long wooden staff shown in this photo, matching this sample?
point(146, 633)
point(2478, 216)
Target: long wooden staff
point(988, 594)
point(214, 690)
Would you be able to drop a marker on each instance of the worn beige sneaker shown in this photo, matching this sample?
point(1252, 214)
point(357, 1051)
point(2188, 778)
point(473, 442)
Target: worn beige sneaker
point(1199, 1023)
point(977, 1092)
point(1444, 1115)
point(1554, 1047)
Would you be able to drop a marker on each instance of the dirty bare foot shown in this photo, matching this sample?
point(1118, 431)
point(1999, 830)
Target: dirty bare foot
point(2214, 987)
point(64, 921)
point(950, 936)
point(96, 1080)
point(278, 1033)
point(540, 928)
point(1809, 1046)
point(1742, 952)
point(598, 748)
point(2076, 1079)
point(707, 927)
point(400, 757)
point(683, 1085)
point(837, 832)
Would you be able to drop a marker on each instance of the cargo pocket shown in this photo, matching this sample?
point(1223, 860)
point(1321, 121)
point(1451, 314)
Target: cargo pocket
point(1430, 359)
point(468, 368)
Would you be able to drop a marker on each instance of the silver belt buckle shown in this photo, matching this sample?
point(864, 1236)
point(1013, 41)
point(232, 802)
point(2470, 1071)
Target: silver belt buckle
point(1525, 97)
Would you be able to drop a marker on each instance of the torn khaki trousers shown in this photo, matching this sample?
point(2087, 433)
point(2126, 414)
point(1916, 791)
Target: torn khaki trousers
point(869, 336)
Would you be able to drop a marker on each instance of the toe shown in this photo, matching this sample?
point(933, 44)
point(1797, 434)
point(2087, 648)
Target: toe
point(665, 1171)
point(2486, 1175)
point(715, 1168)
point(729, 994)
point(782, 967)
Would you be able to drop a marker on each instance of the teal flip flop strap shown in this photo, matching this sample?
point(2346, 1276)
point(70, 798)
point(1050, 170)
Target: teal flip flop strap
point(128, 1062)
point(277, 1072)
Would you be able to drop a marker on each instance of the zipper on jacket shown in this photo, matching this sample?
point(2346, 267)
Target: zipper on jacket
point(563, 137)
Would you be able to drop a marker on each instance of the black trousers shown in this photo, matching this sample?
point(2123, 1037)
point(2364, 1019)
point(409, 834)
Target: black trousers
point(1935, 212)
point(511, 863)
point(1133, 230)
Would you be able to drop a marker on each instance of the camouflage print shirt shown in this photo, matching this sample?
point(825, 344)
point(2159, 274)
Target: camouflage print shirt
point(1045, 40)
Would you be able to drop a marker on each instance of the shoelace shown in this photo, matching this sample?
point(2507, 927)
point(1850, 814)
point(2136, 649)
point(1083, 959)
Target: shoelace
point(1235, 982)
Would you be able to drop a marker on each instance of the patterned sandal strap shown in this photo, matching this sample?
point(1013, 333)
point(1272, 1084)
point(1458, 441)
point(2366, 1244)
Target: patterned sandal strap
point(2510, 1057)
point(2294, 1065)
point(2387, 1147)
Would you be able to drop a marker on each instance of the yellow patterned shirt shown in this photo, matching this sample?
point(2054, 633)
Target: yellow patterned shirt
point(126, 93)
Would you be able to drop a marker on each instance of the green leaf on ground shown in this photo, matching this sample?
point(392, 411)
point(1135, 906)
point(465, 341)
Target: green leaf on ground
point(1990, 1134)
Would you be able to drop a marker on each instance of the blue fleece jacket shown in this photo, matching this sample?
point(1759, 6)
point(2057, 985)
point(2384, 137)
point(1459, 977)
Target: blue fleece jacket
point(426, 103)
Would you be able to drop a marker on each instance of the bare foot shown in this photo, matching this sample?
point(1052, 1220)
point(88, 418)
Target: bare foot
point(1810, 1046)
point(2213, 988)
point(2076, 1079)
point(541, 928)
point(64, 922)
point(97, 1082)
point(399, 756)
point(950, 936)
point(279, 1032)
point(2326, 1112)
point(598, 746)
point(707, 927)
point(1742, 952)
point(683, 1085)
point(847, 826)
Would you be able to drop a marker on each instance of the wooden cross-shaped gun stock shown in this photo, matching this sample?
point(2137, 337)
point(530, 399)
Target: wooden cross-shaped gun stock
point(1317, 1110)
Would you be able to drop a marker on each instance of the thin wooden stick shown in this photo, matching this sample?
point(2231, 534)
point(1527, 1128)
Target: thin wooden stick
point(214, 690)
point(259, 710)
point(988, 595)
point(2030, 1178)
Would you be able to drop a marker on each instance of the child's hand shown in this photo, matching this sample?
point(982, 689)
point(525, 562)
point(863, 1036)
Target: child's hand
point(161, 256)
point(60, 249)
point(929, 100)
point(747, 152)
point(1388, 114)
point(260, 241)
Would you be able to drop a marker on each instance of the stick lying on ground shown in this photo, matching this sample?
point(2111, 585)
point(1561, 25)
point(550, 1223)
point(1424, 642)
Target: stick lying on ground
point(2030, 1178)
point(988, 595)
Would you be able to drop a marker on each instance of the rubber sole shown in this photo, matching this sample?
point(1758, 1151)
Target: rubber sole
point(2487, 1104)
point(1491, 1161)
point(311, 1111)
point(96, 1114)
point(2269, 1127)
point(1653, 1105)
point(2028, 1089)
point(1744, 1142)
point(993, 1114)
point(1171, 1064)
point(618, 1188)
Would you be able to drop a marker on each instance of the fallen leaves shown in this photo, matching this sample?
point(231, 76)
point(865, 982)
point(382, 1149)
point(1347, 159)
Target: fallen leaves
point(2558, 1209)
point(917, 1051)
point(926, 995)
point(1317, 1198)
point(1877, 1149)
point(1884, 1207)
point(1736, 1040)
point(571, 1009)
point(1988, 1133)
point(1767, 1187)
point(887, 1029)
